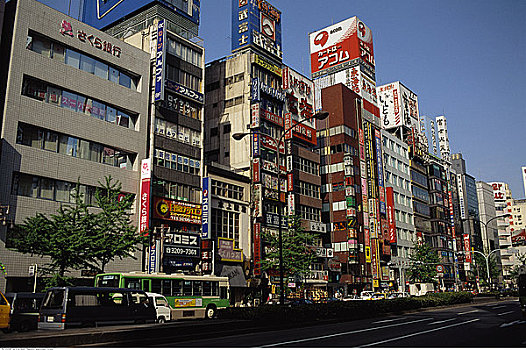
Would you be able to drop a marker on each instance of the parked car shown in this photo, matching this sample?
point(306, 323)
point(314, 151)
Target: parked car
point(366, 295)
point(352, 297)
point(378, 296)
point(4, 313)
point(162, 308)
point(24, 310)
point(394, 295)
point(64, 307)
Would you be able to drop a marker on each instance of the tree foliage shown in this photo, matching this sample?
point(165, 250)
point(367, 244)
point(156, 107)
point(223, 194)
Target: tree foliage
point(79, 235)
point(481, 267)
point(298, 254)
point(423, 263)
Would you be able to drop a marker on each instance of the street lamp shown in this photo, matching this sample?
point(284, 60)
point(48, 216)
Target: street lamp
point(238, 136)
point(486, 257)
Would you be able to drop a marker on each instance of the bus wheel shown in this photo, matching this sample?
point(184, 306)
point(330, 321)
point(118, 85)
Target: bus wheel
point(210, 311)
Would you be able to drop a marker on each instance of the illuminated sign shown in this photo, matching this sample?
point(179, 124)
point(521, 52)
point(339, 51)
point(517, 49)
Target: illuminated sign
point(184, 91)
point(260, 61)
point(144, 214)
point(177, 211)
point(206, 208)
point(159, 61)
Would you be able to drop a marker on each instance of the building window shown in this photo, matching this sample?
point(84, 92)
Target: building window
point(176, 191)
point(227, 190)
point(177, 162)
point(35, 137)
point(177, 132)
point(73, 58)
point(69, 100)
point(226, 225)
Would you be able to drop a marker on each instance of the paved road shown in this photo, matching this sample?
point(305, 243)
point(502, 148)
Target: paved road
point(496, 324)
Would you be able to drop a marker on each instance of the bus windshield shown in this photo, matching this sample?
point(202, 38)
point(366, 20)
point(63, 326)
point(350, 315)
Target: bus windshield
point(54, 299)
point(108, 281)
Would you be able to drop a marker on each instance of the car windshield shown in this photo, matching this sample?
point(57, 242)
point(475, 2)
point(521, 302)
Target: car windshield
point(54, 299)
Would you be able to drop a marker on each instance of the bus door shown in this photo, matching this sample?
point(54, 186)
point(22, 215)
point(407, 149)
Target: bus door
point(145, 285)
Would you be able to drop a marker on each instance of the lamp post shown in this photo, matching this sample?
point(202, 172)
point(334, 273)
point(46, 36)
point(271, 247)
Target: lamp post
point(486, 257)
point(238, 136)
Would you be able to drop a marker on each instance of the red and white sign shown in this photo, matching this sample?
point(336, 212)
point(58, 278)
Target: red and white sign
point(255, 170)
point(467, 248)
point(440, 268)
point(391, 214)
point(290, 182)
point(339, 43)
point(271, 117)
point(144, 214)
point(499, 190)
point(257, 249)
point(398, 106)
point(254, 116)
point(88, 38)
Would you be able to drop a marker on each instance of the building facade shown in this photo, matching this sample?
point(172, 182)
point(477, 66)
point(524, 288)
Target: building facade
point(75, 110)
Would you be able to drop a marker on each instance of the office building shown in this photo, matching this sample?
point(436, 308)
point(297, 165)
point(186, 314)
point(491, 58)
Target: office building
point(75, 109)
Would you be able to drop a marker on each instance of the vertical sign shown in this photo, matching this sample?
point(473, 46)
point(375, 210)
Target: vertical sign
point(159, 61)
point(144, 215)
point(379, 167)
point(255, 145)
point(391, 214)
point(254, 115)
point(205, 209)
point(255, 170)
point(257, 249)
point(467, 248)
point(524, 179)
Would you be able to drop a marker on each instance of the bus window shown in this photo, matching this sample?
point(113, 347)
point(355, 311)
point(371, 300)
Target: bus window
point(156, 286)
point(207, 288)
point(187, 288)
point(198, 288)
point(215, 288)
point(145, 285)
point(109, 281)
point(132, 283)
point(177, 288)
point(167, 287)
point(223, 293)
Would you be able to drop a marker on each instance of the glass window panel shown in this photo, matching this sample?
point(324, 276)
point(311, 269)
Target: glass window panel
point(72, 58)
point(68, 145)
point(42, 46)
point(96, 152)
point(47, 188)
point(54, 95)
point(114, 75)
point(63, 190)
point(98, 110)
point(123, 119)
point(59, 52)
point(50, 141)
point(87, 64)
point(81, 103)
point(101, 70)
point(69, 100)
point(187, 288)
point(111, 114)
point(125, 80)
point(84, 149)
point(108, 156)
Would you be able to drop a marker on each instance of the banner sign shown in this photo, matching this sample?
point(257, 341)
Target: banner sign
point(254, 114)
point(255, 170)
point(257, 249)
point(144, 214)
point(391, 215)
point(258, 201)
point(205, 209)
point(184, 91)
point(260, 61)
point(159, 61)
point(227, 252)
point(180, 211)
point(467, 248)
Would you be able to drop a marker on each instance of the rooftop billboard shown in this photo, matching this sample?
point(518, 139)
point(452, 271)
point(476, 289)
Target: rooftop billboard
point(340, 43)
point(102, 13)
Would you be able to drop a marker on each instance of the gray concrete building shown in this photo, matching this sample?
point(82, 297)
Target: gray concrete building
point(75, 108)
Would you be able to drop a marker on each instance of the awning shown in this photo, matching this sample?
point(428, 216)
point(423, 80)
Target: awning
point(235, 274)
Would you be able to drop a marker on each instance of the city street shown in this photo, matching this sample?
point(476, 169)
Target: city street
point(492, 324)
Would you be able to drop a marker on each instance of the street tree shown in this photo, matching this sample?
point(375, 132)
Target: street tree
point(114, 235)
point(423, 263)
point(80, 235)
point(514, 270)
point(298, 252)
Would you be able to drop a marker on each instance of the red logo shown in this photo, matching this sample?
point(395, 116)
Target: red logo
point(361, 28)
point(321, 38)
point(66, 28)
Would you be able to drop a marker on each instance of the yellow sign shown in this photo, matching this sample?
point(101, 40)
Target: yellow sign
point(267, 65)
point(188, 302)
point(376, 283)
point(368, 254)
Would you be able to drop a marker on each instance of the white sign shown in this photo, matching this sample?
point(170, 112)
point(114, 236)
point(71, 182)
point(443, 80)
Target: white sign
point(317, 227)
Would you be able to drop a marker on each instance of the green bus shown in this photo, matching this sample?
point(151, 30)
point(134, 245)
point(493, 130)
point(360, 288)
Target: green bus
point(189, 296)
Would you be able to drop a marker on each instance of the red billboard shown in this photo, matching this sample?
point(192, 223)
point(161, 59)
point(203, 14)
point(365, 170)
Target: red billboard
point(342, 42)
point(467, 248)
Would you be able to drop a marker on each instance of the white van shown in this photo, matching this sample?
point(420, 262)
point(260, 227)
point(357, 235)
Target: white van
point(162, 308)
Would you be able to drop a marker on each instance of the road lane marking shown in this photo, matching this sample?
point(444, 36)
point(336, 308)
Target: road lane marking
point(391, 320)
point(512, 324)
point(419, 333)
point(498, 307)
point(443, 321)
point(505, 313)
point(344, 333)
point(467, 312)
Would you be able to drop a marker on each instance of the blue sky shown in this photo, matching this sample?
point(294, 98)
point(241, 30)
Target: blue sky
point(464, 59)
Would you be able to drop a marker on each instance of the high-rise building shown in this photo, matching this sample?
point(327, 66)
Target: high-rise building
point(75, 109)
point(252, 92)
point(343, 54)
point(171, 191)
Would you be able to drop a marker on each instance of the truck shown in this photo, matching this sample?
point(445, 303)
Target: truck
point(419, 289)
